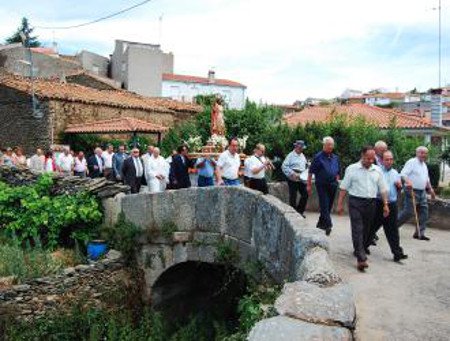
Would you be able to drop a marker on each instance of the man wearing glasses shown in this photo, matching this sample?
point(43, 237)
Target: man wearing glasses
point(132, 171)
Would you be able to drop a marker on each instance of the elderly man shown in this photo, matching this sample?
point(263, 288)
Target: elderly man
point(416, 171)
point(66, 162)
point(362, 181)
point(325, 167)
point(227, 172)
point(156, 172)
point(394, 184)
point(96, 164)
point(179, 169)
point(107, 156)
point(380, 147)
point(117, 162)
point(256, 167)
point(80, 168)
point(149, 153)
point(133, 171)
point(37, 162)
point(293, 167)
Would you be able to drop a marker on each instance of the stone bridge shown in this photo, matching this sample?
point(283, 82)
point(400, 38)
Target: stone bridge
point(193, 225)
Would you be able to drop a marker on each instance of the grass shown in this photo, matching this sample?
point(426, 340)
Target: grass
point(34, 262)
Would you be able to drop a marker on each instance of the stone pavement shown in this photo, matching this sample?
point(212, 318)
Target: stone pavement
point(408, 301)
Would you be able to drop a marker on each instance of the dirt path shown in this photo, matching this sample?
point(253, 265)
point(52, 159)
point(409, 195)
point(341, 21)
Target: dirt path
point(408, 301)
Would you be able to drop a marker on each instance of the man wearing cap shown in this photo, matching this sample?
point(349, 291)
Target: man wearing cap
point(293, 166)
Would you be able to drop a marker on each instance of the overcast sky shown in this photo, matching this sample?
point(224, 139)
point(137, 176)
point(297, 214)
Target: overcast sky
point(282, 50)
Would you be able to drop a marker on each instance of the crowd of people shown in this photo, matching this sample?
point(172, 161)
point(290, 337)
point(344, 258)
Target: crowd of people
point(372, 183)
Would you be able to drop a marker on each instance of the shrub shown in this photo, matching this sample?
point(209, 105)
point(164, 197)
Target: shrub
point(122, 236)
point(32, 214)
point(27, 263)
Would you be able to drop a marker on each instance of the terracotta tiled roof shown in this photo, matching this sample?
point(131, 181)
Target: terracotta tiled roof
point(56, 90)
point(379, 116)
point(202, 80)
point(117, 125)
point(44, 50)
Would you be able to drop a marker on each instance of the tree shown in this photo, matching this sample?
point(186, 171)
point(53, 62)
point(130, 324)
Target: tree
point(25, 27)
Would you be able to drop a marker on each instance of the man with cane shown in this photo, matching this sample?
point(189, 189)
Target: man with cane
point(416, 171)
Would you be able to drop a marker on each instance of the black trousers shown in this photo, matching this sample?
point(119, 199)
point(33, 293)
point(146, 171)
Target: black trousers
point(361, 211)
point(258, 185)
point(135, 184)
point(389, 225)
point(326, 194)
point(294, 188)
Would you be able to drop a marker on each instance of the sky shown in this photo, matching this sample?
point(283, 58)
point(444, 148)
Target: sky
point(283, 50)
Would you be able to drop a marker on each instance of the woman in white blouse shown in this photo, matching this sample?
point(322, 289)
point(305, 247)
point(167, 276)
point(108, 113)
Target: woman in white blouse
point(156, 172)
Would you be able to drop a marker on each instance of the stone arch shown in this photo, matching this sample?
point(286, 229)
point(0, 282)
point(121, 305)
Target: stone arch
point(189, 224)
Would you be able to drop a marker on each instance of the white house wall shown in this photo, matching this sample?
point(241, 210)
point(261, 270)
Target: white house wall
point(183, 91)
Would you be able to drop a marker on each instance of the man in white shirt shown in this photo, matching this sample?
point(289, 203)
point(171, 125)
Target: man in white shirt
point(416, 171)
point(363, 180)
point(66, 163)
point(256, 167)
point(107, 157)
point(156, 171)
point(37, 162)
point(293, 167)
point(227, 171)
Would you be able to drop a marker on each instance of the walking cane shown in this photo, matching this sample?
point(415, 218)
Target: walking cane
point(416, 217)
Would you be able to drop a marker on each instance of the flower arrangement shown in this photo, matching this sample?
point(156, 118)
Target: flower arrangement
point(218, 141)
point(242, 142)
point(194, 143)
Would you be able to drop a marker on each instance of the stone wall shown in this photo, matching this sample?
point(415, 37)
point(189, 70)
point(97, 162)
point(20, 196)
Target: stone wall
point(189, 225)
point(66, 113)
point(93, 283)
point(439, 208)
point(18, 125)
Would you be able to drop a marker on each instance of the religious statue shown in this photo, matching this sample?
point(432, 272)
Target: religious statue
point(217, 120)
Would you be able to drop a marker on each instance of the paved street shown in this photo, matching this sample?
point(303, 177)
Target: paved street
point(409, 301)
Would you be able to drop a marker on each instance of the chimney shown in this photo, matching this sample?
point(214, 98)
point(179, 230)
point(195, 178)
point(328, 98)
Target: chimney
point(211, 76)
point(436, 106)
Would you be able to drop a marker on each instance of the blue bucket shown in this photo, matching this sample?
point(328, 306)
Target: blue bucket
point(96, 249)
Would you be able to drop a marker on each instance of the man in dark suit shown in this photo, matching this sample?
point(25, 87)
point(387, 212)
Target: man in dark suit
point(132, 171)
point(96, 164)
point(179, 169)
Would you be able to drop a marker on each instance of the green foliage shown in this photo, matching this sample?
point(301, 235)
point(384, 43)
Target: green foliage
point(168, 228)
point(122, 236)
point(27, 263)
point(32, 214)
point(26, 29)
point(445, 192)
point(434, 170)
point(226, 253)
point(88, 142)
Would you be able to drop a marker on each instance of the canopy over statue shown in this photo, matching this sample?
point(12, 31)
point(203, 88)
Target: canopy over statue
point(217, 119)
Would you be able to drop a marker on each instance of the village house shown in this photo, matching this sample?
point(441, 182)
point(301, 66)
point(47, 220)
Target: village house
point(383, 118)
point(61, 104)
point(186, 88)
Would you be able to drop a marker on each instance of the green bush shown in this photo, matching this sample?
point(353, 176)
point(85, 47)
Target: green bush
point(122, 236)
point(27, 263)
point(32, 214)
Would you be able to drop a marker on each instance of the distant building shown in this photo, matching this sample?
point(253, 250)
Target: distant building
point(140, 67)
point(382, 99)
point(93, 62)
point(350, 93)
point(185, 88)
point(409, 124)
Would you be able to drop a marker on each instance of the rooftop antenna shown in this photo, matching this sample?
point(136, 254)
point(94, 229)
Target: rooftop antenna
point(160, 28)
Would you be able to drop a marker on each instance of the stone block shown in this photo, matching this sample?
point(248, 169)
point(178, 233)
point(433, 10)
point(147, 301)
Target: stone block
point(210, 209)
point(316, 267)
point(207, 253)
point(240, 208)
point(208, 238)
point(333, 306)
point(137, 209)
point(282, 328)
point(182, 237)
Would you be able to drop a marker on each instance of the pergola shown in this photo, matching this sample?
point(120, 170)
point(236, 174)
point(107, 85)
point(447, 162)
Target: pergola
point(121, 125)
